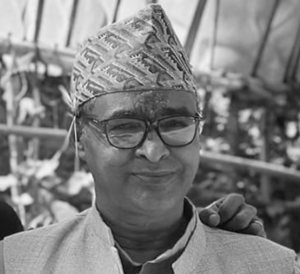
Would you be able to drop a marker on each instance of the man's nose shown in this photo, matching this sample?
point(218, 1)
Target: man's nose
point(153, 148)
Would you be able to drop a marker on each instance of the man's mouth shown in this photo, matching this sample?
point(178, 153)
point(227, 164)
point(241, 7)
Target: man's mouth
point(148, 175)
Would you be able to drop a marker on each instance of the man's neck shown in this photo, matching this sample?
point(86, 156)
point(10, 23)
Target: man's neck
point(144, 238)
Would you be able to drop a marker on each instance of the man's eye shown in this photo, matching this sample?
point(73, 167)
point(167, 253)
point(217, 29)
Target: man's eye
point(175, 123)
point(124, 126)
point(128, 126)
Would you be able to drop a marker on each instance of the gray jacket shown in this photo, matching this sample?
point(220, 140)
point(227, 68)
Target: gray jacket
point(84, 244)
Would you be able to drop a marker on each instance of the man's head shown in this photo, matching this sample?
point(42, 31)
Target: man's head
point(139, 110)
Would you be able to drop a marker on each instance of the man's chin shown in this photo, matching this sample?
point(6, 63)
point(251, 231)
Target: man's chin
point(157, 203)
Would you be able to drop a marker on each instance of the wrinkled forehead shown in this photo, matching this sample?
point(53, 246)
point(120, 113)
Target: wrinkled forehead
point(150, 104)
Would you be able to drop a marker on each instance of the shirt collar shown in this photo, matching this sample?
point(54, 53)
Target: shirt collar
point(193, 241)
point(190, 215)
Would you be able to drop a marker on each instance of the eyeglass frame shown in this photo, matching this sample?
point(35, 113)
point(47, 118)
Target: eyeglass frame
point(102, 126)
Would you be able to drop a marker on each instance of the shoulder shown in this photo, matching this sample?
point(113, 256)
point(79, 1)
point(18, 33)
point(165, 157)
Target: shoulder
point(220, 239)
point(247, 249)
point(79, 245)
point(44, 238)
point(36, 247)
point(63, 227)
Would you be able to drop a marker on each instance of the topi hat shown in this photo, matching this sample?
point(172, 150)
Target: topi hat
point(139, 53)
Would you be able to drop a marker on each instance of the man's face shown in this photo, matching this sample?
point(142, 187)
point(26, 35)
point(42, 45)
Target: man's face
point(152, 176)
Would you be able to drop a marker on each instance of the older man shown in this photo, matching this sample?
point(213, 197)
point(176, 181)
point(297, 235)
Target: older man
point(138, 124)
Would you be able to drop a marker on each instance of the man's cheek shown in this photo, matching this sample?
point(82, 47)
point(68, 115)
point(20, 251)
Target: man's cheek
point(192, 163)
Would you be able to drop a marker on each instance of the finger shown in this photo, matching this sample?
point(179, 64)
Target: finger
point(242, 219)
point(256, 228)
point(210, 216)
point(230, 206)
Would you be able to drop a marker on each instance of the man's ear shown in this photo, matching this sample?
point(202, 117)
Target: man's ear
point(81, 151)
point(201, 127)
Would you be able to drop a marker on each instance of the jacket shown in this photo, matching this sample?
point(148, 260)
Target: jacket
point(84, 244)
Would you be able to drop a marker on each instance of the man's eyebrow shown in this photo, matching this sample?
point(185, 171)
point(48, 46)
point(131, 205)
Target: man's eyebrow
point(123, 114)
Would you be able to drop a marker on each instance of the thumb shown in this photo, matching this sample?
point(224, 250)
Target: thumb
point(210, 214)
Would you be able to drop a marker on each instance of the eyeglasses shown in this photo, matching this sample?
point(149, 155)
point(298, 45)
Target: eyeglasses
point(126, 133)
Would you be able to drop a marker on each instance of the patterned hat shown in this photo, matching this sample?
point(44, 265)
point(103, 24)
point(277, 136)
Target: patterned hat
point(136, 54)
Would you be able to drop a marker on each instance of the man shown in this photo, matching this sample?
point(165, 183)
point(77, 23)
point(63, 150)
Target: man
point(139, 121)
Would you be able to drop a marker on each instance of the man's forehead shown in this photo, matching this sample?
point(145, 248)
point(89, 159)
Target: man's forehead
point(148, 103)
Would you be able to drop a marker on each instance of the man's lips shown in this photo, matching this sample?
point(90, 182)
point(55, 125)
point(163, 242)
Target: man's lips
point(153, 174)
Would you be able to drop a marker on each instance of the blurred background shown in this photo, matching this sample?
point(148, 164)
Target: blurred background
point(245, 57)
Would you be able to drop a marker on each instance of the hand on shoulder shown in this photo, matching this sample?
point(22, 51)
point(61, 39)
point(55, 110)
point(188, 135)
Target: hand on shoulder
point(232, 213)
